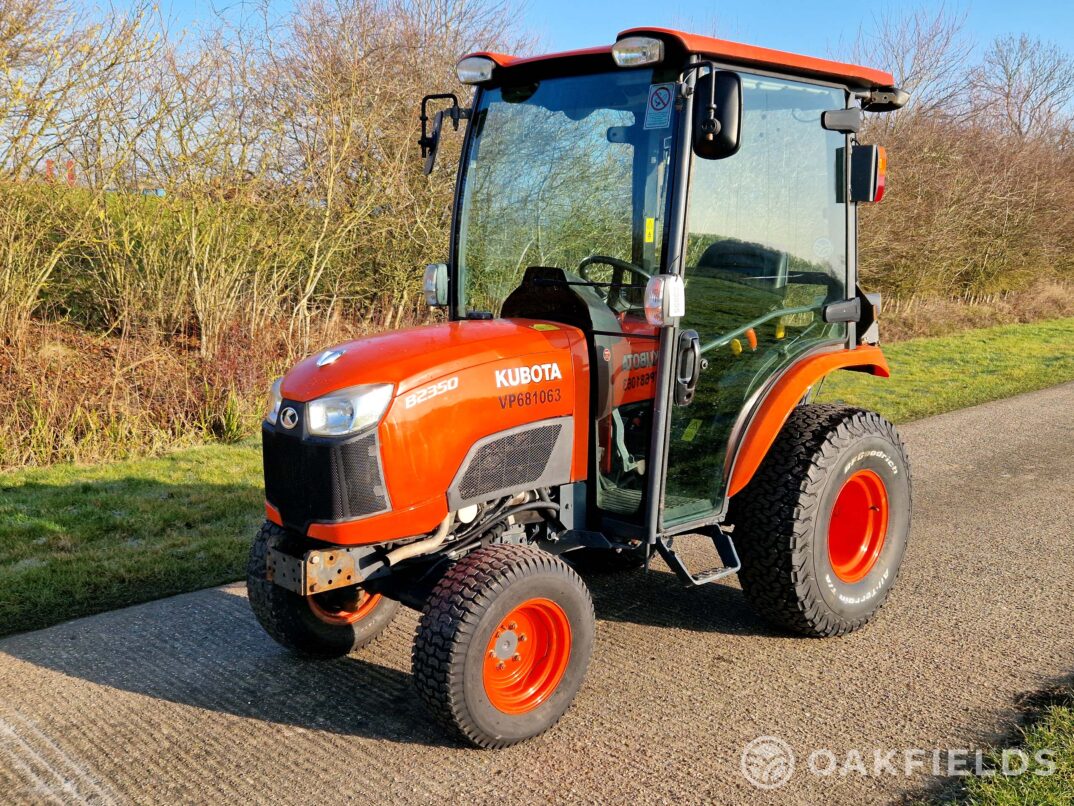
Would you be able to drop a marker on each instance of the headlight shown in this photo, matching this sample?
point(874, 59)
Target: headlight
point(475, 69)
point(634, 51)
point(347, 410)
point(275, 398)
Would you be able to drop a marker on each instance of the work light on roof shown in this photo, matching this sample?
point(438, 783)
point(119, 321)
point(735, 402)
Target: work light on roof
point(475, 69)
point(635, 51)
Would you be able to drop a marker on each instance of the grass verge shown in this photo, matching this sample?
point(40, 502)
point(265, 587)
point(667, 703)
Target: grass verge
point(80, 539)
point(76, 540)
point(933, 375)
point(1049, 731)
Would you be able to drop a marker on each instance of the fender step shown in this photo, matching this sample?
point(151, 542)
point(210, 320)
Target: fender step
point(725, 548)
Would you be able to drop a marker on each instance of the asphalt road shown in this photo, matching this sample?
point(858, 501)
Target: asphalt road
point(186, 700)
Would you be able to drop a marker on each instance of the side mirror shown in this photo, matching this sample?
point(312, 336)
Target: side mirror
point(432, 144)
point(436, 285)
point(717, 114)
point(847, 121)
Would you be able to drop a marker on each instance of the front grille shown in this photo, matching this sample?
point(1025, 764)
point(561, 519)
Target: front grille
point(314, 479)
point(512, 461)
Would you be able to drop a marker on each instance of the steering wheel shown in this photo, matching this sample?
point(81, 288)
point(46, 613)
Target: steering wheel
point(622, 270)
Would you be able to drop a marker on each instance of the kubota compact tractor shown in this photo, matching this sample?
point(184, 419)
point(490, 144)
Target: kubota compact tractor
point(652, 267)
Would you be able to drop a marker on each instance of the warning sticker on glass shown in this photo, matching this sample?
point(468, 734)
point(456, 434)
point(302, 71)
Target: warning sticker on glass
point(691, 431)
point(658, 109)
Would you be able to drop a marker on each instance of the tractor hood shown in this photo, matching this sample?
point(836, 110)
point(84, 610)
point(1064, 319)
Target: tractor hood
point(416, 356)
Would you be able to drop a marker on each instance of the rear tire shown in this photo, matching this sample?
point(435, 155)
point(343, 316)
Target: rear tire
point(503, 644)
point(822, 527)
point(328, 625)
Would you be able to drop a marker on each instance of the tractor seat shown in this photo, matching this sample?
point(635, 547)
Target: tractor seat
point(551, 293)
point(743, 262)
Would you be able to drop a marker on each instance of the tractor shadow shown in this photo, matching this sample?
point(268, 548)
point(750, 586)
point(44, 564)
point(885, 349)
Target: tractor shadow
point(658, 598)
point(205, 650)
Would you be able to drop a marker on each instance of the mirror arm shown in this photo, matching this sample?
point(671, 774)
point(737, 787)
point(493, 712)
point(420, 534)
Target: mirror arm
point(710, 126)
point(426, 142)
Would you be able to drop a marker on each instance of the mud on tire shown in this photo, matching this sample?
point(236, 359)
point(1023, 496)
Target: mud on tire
point(291, 620)
point(796, 568)
point(482, 604)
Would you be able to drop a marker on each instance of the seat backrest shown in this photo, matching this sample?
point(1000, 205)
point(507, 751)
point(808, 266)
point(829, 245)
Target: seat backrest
point(744, 262)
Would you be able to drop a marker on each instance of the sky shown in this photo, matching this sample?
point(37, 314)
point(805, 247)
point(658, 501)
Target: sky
point(813, 27)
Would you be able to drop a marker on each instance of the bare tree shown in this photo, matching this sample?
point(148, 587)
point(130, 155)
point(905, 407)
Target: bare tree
point(1026, 86)
point(926, 50)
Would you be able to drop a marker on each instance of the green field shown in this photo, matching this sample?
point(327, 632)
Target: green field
point(77, 539)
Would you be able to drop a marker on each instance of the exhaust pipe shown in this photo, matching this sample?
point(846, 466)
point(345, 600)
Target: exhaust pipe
point(396, 556)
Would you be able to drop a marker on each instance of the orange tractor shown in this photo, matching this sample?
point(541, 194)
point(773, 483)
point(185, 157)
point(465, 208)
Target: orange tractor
point(652, 268)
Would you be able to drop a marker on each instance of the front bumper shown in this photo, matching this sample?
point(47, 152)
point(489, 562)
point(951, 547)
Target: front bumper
point(320, 570)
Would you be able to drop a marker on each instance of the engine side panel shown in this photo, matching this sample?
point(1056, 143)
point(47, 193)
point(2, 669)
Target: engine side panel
point(425, 441)
point(520, 373)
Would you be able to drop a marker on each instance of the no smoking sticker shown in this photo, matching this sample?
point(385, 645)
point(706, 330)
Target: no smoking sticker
point(658, 108)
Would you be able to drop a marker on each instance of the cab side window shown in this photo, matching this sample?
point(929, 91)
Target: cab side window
point(766, 250)
point(769, 219)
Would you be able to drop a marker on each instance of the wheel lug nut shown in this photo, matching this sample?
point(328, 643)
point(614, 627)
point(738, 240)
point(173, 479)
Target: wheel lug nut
point(500, 666)
point(522, 638)
point(516, 658)
point(492, 653)
point(512, 626)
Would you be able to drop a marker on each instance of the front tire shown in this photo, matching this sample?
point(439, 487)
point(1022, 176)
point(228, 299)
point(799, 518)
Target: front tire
point(823, 525)
point(327, 625)
point(503, 644)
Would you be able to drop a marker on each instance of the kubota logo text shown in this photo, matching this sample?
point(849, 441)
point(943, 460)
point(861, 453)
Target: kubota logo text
point(639, 360)
point(520, 376)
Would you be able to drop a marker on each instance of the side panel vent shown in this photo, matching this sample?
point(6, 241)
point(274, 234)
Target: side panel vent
point(533, 455)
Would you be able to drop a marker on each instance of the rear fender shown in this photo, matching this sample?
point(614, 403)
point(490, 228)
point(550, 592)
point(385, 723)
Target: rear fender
point(785, 394)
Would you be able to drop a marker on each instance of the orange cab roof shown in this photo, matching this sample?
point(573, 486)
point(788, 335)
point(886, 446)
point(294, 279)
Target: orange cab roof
point(733, 53)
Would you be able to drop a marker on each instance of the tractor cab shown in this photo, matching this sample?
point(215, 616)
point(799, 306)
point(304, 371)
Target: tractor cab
point(652, 265)
point(702, 213)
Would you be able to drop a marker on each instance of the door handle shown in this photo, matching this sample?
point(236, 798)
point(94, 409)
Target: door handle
point(687, 367)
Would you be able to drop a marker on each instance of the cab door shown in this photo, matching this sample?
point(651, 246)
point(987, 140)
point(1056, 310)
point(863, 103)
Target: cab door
point(766, 250)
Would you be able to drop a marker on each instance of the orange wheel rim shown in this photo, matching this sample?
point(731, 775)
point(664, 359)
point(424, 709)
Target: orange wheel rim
point(858, 526)
point(343, 610)
point(526, 656)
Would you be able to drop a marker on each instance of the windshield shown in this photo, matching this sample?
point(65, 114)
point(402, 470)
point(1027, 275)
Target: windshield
point(563, 172)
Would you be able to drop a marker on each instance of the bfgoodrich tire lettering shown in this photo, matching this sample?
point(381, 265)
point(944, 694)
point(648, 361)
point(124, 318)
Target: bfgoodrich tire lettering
point(782, 519)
